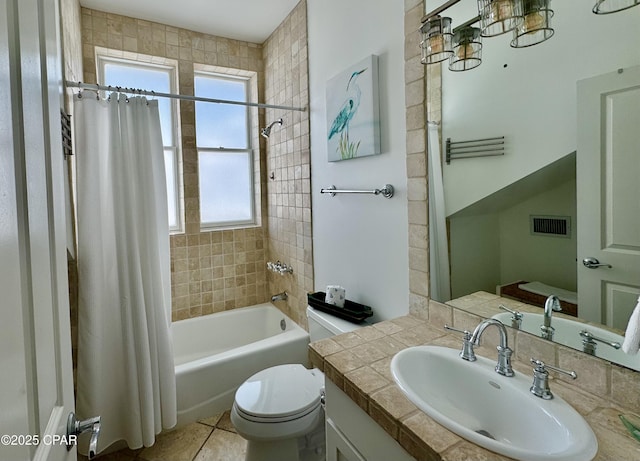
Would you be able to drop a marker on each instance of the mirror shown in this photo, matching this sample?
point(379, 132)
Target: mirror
point(515, 218)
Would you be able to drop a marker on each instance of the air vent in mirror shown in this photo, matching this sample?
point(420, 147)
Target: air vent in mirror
point(558, 226)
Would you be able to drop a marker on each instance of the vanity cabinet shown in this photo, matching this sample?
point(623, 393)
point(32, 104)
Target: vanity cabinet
point(352, 435)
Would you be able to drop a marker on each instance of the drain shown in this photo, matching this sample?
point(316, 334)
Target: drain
point(283, 324)
point(485, 433)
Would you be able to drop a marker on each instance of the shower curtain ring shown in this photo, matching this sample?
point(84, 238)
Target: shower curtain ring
point(79, 90)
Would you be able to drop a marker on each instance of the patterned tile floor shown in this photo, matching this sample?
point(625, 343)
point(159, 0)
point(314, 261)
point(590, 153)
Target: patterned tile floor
point(212, 439)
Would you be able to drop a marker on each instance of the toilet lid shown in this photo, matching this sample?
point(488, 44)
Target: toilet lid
point(280, 391)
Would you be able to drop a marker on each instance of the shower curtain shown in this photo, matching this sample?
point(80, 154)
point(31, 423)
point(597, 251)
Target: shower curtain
point(125, 354)
point(440, 288)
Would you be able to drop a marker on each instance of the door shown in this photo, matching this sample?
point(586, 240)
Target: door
point(608, 188)
point(36, 385)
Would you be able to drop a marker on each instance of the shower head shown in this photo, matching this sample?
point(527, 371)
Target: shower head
point(267, 131)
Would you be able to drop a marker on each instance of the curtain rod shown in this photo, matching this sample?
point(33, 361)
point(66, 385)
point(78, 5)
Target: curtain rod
point(120, 89)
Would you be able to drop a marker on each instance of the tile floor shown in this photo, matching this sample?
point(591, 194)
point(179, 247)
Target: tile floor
point(212, 439)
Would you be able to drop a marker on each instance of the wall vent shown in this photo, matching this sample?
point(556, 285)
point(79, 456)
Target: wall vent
point(557, 226)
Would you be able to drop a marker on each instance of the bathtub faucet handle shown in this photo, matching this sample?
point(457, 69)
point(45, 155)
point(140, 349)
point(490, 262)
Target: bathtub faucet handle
point(280, 268)
point(284, 269)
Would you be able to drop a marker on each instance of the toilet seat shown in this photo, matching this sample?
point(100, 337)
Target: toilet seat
point(279, 394)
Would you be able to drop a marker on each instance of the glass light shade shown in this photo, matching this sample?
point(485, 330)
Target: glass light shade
point(499, 16)
point(613, 6)
point(436, 41)
point(467, 49)
point(536, 27)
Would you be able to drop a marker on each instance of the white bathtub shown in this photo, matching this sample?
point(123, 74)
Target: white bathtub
point(216, 353)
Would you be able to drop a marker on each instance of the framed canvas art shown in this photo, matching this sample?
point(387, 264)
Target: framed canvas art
point(353, 120)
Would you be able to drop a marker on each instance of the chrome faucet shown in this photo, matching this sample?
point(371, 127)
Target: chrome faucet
point(551, 304)
point(279, 297)
point(503, 366)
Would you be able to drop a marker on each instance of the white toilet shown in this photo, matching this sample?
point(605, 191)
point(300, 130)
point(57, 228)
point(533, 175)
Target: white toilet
point(279, 410)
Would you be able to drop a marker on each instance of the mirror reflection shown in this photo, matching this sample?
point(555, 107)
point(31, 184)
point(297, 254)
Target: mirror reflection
point(557, 214)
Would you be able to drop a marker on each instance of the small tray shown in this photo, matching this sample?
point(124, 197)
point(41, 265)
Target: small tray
point(352, 311)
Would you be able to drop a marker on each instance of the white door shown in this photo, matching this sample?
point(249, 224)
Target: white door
point(608, 186)
point(36, 385)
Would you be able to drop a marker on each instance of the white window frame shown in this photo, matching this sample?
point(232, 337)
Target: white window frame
point(106, 56)
point(253, 221)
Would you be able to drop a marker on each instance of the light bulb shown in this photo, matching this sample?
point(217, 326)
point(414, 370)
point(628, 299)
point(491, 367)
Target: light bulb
point(533, 21)
point(501, 10)
point(436, 44)
point(465, 51)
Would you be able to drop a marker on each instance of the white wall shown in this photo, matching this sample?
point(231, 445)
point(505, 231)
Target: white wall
point(360, 241)
point(475, 254)
point(533, 100)
point(547, 259)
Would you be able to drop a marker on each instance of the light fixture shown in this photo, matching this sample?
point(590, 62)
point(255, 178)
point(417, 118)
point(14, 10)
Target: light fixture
point(436, 40)
point(529, 19)
point(499, 16)
point(613, 6)
point(536, 27)
point(467, 49)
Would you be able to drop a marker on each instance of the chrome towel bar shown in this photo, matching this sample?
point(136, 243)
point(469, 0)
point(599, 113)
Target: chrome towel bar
point(386, 191)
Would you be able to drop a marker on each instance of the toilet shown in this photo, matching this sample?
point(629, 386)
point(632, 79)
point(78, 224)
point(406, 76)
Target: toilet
point(279, 410)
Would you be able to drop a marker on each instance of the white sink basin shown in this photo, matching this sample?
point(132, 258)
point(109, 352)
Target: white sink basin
point(493, 411)
point(567, 332)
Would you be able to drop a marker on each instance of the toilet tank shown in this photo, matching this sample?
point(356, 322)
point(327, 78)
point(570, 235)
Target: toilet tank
point(323, 325)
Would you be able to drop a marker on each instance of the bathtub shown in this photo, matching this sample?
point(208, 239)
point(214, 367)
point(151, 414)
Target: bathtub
point(216, 353)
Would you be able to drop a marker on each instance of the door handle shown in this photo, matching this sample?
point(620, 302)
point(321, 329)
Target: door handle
point(76, 427)
point(593, 263)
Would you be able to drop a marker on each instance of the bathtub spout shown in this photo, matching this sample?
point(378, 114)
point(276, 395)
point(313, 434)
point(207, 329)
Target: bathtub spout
point(279, 297)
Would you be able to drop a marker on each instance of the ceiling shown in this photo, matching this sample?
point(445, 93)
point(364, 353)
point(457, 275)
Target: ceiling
point(246, 20)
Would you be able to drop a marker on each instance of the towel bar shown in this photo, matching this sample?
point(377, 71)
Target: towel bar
point(386, 191)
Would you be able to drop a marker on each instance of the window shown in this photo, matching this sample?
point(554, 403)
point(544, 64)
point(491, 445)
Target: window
point(224, 155)
point(162, 78)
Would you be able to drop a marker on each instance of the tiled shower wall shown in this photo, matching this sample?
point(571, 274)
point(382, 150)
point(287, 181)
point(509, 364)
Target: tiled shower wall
point(211, 271)
point(288, 163)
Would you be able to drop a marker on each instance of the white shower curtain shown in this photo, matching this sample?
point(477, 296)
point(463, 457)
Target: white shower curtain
point(125, 354)
point(440, 288)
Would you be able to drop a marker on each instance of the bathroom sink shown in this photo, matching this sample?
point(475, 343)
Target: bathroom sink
point(490, 410)
point(567, 332)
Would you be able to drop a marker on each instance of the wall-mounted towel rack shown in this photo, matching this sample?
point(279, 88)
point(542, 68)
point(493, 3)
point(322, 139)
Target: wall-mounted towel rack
point(386, 191)
point(489, 147)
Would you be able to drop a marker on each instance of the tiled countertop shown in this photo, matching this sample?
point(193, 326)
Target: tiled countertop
point(358, 363)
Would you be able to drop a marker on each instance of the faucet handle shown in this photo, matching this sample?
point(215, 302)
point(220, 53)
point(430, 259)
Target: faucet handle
point(464, 332)
point(516, 316)
point(588, 336)
point(540, 386)
point(467, 352)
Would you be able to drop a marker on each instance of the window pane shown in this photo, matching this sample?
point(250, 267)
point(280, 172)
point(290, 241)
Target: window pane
point(221, 125)
point(172, 188)
point(145, 78)
point(225, 187)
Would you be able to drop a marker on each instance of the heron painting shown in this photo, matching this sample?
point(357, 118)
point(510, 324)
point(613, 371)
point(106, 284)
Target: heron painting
point(352, 112)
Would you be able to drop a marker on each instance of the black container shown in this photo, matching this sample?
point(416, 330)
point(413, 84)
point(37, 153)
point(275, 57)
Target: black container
point(353, 312)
